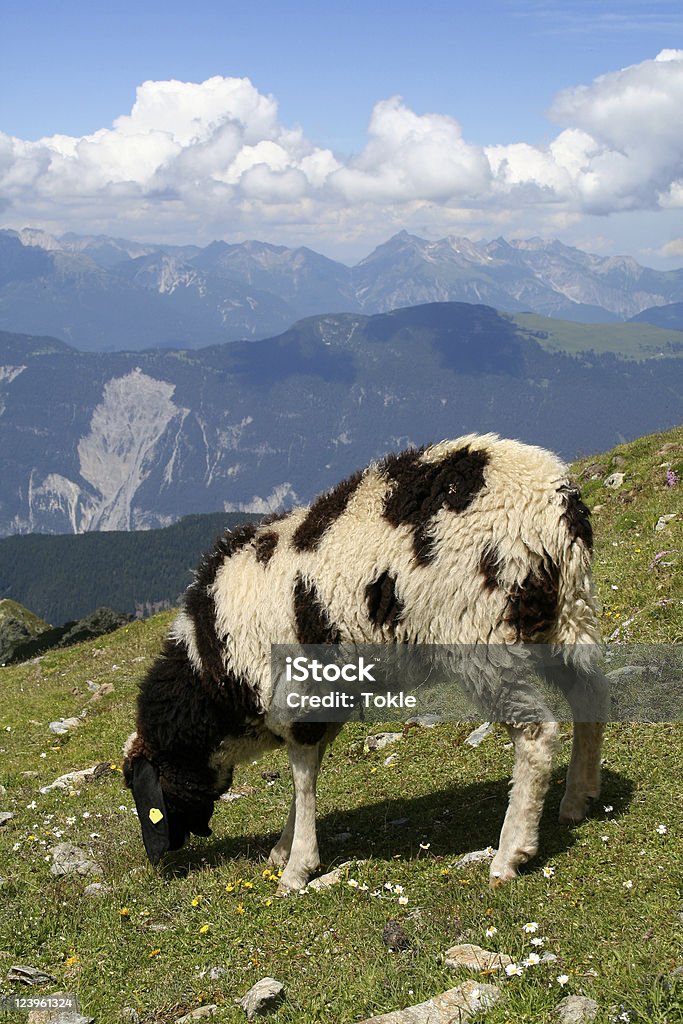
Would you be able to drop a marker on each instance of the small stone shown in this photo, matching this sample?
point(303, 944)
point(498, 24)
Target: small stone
point(200, 1013)
point(129, 1015)
point(332, 877)
point(3, 791)
point(97, 889)
point(5, 816)
point(391, 759)
point(395, 936)
point(427, 721)
point(381, 740)
point(461, 1005)
point(67, 1013)
point(69, 860)
point(262, 998)
point(28, 975)
point(102, 691)
point(71, 779)
point(576, 1010)
point(64, 725)
point(479, 734)
point(475, 958)
point(216, 973)
point(614, 480)
point(664, 521)
point(237, 793)
point(475, 857)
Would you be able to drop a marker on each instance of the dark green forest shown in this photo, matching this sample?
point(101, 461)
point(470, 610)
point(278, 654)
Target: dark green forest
point(65, 577)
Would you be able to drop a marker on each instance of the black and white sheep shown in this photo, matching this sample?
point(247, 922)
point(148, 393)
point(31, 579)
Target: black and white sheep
point(474, 541)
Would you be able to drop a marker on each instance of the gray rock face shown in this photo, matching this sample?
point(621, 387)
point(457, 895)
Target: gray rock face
point(262, 998)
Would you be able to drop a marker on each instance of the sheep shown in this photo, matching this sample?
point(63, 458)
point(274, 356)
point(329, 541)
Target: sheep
point(478, 540)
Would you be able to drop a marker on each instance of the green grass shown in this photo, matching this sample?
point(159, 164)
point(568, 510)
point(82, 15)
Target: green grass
point(617, 944)
point(629, 341)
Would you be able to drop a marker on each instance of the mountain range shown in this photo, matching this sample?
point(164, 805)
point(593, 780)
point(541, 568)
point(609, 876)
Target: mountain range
point(105, 294)
point(133, 440)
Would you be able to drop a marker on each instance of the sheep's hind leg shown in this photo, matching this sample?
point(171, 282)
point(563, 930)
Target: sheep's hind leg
point(583, 775)
point(534, 747)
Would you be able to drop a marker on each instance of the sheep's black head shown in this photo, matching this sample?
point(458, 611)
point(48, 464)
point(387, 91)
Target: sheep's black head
point(166, 813)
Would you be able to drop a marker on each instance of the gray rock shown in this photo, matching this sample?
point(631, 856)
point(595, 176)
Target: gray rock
point(6, 816)
point(64, 725)
point(216, 973)
point(71, 779)
point(479, 734)
point(381, 740)
point(71, 860)
point(461, 1005)
point(97, 889)
point(427, 721)
point(576, 1010)
point(474, 958)
point(129, 1015)
point(3, 791)
point(29, 975)
point(69, 1014)
point(664, 521)
point(201, 1013)
point(614, 480)
point(475, 857)
point(262, 998)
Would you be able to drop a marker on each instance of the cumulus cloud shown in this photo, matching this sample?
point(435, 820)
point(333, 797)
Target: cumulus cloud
point(213, 157)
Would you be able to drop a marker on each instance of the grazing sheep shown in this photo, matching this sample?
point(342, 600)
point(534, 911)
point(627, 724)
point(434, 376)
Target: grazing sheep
point(474, 541)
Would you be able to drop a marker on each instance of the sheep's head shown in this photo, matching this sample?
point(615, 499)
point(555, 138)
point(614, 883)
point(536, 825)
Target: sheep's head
point(171, 802)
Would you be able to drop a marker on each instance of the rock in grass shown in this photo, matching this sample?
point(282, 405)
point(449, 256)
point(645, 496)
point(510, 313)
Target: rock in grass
point(71, 860)
point(475, 857)
point(71, 779)
point(64, 725)
point(129, 1015)
point(6, 816)
point(576, 1010)
point(427, 721)
point(97, 889)
point(201, 1013)
point(67, 1013)
point(479, 734)
point(381, 740)
point(461, 1004)
point(475, 958)
point(28, 975)
point(262, 998)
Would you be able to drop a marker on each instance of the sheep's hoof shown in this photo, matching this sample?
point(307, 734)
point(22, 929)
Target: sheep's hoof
point(500, 877)
point(574, 810)
point(278, 858)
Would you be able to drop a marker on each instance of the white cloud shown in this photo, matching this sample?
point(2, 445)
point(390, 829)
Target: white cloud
point(197, 160)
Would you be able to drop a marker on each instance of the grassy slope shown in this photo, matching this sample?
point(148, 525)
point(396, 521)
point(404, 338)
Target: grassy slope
point(629, 341)
point(612, 941)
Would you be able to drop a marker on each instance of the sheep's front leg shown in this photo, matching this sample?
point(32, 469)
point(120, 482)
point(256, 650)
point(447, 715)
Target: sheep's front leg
point(303, 858)
point(279, 855)
point(534, 747)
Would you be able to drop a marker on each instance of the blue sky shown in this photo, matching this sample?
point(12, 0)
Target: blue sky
point(336, 161)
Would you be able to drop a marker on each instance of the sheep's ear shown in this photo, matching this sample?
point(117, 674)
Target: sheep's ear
point(151, 806)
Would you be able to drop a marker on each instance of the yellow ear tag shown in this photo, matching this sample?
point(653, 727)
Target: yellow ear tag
point(155, 815)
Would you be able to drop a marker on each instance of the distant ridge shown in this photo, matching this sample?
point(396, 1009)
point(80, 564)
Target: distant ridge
point(106, 294)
